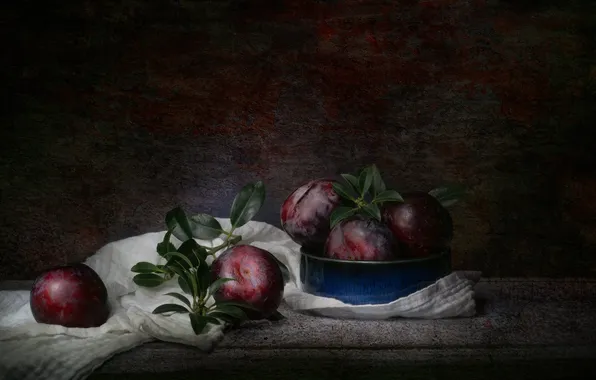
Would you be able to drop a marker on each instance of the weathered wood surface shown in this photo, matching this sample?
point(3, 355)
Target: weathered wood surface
point(310, 364)
point(542, 326)
point(118, 111)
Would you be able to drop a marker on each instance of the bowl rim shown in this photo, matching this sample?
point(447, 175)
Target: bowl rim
point(446, 252)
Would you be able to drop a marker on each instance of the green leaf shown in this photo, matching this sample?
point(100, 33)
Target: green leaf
point(148, 280)
point(448, 195)
point(187, 249)
point(180, 297)
point(212, 320)
point(373, 210)
point(223, 316)
point(352, 180)
point(215, 285)
point(178, 258)
point(203, 277)
point(205, 227)
point(388, 196)
point(341, 213)
point(247, 203)
point(194, 283)
point(198, 323)
point(201, 254)
point(165, 246)
point(233, 311)
point(178, 223)
point(342, 191)
point(240, 304)
point(144, 267)
point(193, 251)
point(378, 185)
point(170, 308)
point(365, 180)
point(189, 278)
point(184, 285)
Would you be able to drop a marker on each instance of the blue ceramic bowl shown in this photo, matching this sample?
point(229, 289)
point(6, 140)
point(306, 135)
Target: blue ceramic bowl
point(370, 282)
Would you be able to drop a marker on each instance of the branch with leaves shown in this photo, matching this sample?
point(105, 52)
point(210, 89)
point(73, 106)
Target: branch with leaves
point(189, 264)
point(363, 195)
point(366, 192)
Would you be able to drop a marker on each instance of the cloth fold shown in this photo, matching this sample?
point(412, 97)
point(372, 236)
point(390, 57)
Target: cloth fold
point(33, 351)
point(451, 296)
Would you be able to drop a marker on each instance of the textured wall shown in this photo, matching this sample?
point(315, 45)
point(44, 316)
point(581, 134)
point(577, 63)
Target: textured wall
point(118, 112)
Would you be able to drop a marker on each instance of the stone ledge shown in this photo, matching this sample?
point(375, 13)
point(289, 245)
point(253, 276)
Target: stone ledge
point(518, 320)
point(177, 358)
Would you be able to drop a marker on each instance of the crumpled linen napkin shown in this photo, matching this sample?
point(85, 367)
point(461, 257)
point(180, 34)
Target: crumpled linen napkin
point(37, 351)
point(450, 296)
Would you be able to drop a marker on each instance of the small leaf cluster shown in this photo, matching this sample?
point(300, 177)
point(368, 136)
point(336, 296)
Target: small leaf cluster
point(188, 262)
point(448, 195)
point(363, 194)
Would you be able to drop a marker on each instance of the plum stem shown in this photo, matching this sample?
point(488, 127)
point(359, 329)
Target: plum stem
point(231, 239)
point(230, 235)
point(212, 251)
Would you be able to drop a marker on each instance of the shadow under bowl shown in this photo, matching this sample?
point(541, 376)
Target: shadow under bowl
point(370, 282)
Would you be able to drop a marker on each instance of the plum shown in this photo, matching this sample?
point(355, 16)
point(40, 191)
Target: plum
point(259, 280)
point(305, 214)
point(420, 224)
point(360, 238)
point(71, 296)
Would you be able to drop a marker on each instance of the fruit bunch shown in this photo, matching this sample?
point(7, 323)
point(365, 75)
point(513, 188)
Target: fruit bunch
point(242, 282)
point(359, 218)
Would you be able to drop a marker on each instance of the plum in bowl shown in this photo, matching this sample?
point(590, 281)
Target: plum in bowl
point(362, 243)
point(305, 213)
point(362, 263)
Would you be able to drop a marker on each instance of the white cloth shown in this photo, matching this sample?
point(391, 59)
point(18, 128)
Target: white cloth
point(451, 296)
point(33, 351)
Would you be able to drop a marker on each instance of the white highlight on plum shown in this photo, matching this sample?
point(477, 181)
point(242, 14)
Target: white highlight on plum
point(371, 239)
point(310, 207)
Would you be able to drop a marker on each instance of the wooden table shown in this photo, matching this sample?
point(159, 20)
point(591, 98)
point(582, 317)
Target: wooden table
point(525, 329)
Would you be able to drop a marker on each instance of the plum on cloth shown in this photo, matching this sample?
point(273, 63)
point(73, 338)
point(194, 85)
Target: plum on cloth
point(33, 351)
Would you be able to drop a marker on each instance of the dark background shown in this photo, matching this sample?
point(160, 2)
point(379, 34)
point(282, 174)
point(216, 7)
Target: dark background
point(114, 112)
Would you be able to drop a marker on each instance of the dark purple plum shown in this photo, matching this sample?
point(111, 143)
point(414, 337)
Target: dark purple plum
point(305, 214)
point(360, 238)
point(421, 224)
point(71, 296)
point(259, 279)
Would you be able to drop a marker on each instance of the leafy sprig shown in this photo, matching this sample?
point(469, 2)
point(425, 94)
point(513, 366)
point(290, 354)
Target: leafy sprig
point(366, 192)
point(362, 195)
point(449, 195)
point(188, 262)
